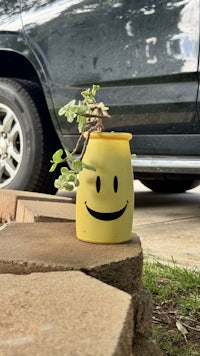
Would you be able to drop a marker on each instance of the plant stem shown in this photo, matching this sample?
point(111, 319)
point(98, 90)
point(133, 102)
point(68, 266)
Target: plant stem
point(77, 144)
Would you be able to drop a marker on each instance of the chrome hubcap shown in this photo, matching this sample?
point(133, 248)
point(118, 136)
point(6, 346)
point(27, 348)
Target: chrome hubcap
point(11, 145)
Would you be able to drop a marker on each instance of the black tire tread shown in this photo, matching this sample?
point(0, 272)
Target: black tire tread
point(41, 180)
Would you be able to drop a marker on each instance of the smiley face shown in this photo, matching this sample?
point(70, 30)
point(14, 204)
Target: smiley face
point(106, 216)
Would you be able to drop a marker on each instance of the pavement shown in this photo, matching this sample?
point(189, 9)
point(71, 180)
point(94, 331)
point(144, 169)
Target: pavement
point(168, 225)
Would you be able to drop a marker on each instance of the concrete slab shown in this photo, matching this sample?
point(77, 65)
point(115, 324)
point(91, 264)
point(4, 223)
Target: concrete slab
point(151, 208)
point(10, 198)
point(49, 211)
point(168, 225)
point(172, 240)
point(65, 313)
point(42, 247)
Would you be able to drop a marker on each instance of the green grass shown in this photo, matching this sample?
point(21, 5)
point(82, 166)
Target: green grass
point(176, 307)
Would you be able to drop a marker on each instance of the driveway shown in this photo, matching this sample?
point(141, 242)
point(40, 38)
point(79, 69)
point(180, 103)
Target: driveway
point(168, 225)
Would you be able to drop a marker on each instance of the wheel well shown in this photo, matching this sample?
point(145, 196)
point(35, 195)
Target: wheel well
point(14, 65)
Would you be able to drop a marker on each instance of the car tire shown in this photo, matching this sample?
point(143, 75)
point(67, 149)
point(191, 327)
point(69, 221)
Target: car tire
point(27, 137)
point(170, 186)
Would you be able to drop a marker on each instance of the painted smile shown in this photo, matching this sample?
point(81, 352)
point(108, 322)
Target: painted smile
point(106, 216)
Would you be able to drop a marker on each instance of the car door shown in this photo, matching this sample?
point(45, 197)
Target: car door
point(144, 55)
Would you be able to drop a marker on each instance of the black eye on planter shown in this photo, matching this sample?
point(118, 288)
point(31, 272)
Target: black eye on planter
point(115, 184)
point(98, 184)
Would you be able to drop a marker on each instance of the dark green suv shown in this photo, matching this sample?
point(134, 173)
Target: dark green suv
point(144, 55)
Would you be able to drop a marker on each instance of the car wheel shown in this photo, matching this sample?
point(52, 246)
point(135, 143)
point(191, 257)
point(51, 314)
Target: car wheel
point(27, 137)
point(170, 186)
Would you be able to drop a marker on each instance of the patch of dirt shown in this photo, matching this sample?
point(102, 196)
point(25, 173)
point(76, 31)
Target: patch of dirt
point(183, 332)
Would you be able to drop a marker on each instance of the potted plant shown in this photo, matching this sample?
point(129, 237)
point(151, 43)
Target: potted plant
point(102, 174)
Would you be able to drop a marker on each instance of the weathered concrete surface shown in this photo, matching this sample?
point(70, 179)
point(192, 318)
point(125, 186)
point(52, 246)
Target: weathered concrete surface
point(10, 198)
point(146, 347)
point(42, 247)
point(173, 240)
point(168, 225)
point(29, 211)
point(143, 306)
point(63, 313)
point(50, 246)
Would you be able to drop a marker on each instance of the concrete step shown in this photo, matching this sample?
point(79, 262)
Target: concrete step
point(33, 206)
point(44, 247)
point(40, 237)
point(29, 211)
point(63, 313)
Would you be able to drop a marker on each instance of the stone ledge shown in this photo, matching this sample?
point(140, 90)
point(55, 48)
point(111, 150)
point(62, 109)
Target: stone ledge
point(9, 200)
point(45, 247)
point(143, 310)
point(64, 313)
point(51, 246)
point(27, 248)
point(30, 211)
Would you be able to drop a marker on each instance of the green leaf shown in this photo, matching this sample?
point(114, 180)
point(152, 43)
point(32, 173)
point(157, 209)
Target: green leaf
point(82, 109)
point(77, 165)
point(70, 116)
point(65, 170)
point(63, 183)
point(63, 178)
point(66, 107)
point(133, 155)
point(82, 122)
point(57, 157)
point(69, 187)
point(103, 107)
point(88, 96)
point(94, 89)
point(57, 184)
point(73, 109)
point(62, 111)
point(71, 177)
point(76, 182)
point(86, 93)
point(53, 167)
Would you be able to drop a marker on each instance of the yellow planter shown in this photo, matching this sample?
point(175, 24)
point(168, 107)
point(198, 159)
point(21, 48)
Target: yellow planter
point(105, 199)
